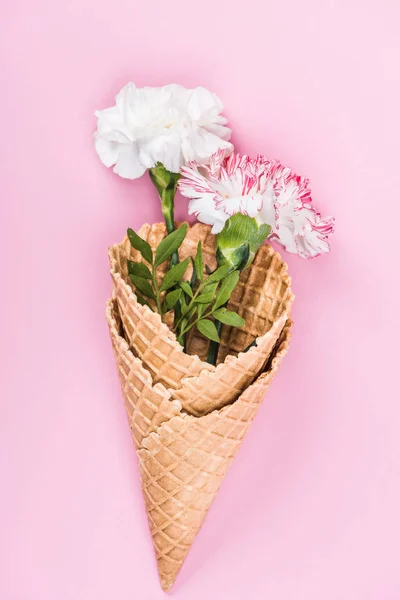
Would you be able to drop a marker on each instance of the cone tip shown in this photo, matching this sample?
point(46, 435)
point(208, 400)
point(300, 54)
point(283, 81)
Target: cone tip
point(167, 583)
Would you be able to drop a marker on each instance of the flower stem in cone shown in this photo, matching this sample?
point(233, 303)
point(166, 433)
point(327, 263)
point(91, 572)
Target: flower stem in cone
point(237, 245)
point(166, 183)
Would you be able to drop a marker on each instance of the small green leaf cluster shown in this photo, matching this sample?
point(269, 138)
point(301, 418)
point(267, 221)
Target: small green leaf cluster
point(145, 278)
point(204, 300)
point(200, 301)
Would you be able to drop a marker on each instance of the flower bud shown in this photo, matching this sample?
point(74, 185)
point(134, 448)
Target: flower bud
point(239, 241)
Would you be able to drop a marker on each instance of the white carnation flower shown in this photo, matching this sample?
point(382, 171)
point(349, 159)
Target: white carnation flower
point(169, 125)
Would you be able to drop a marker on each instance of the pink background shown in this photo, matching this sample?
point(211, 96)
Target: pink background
point(310, 509)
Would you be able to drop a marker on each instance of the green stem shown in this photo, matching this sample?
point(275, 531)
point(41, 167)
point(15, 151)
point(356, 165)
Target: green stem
point(167, 206)
point(197, 292)
point(213, 348)
point(155, 286)
point(166, 183)
point(237, 245)
point(193, 323)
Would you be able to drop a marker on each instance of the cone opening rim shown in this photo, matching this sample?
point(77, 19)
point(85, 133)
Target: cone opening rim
point(281, 346)
point(145, 310)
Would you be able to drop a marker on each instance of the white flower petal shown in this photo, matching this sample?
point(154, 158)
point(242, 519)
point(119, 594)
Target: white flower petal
point(220, 131)
point(206, 212)
point(267, 212)
point(298, 226)
point(202, 144)
point(170, 124)
point(107, 151)
point(286, 238)
point(128, 164)
point(203, 104)
point(165, 149)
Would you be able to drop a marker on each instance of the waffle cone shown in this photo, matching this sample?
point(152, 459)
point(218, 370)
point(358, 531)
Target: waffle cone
point(183, 458)
point(263, 298)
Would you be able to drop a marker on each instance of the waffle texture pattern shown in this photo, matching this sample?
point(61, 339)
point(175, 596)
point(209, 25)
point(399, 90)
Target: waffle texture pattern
point(189, 418)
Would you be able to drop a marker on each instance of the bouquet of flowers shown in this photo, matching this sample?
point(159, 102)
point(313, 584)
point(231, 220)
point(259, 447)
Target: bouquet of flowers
point(200, 315)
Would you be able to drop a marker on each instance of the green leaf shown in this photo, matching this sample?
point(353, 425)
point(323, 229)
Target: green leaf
point(139, 244)
point(191, 312)
point(139, 269)
point(208, 329)
point(186, 288)
point(208, 295)
point(198, 262)
point(208, 270)
point(200, 309)
point(228, 317)
point(193, 277)
point(187, 311)
point(218, 274)
point(183, 324)
point(174, 275)
point(227, 287)
point(184, 306)
point(170, 244)
point(142, 300)
point(171, 299)
point(143, 286)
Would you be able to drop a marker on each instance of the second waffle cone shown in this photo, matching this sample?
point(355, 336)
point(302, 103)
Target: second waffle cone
point(263, 298)
point(183, 459)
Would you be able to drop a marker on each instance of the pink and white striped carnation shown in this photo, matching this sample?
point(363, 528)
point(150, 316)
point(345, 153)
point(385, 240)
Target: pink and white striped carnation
point(262, 189)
